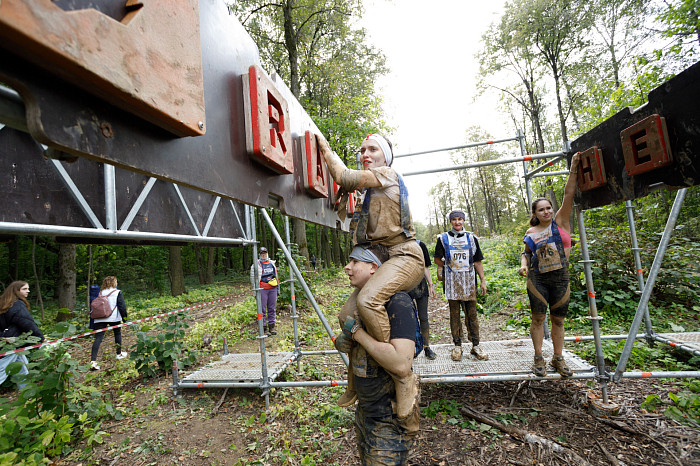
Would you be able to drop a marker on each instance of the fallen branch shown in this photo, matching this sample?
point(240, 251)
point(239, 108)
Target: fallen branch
point(515, 395)
point(614, 461)
point(221, 401)
point(523, 435)
point(624, 427)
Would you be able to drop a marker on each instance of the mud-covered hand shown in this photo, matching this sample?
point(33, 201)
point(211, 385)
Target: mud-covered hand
point(341, 203)
point(350, 326)
point(343, 343)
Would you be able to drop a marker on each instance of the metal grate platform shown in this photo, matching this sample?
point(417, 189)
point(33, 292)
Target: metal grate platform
point(505, 357)
point(689, 339)
point(242, 368)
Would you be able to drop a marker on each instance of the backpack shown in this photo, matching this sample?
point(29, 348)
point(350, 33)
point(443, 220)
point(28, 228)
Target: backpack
point(100, 308)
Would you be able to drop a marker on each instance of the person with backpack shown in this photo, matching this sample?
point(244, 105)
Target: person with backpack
point(16, 320)
point(382, 436)
point(109, 299)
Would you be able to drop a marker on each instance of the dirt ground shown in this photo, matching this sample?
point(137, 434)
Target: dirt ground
point(543, 423)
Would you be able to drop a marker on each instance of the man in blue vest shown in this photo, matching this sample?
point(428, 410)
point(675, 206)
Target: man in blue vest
point(269, 289)
point(458, 252)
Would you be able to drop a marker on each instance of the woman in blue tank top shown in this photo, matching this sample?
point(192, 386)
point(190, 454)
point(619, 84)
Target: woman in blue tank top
point(545, 263)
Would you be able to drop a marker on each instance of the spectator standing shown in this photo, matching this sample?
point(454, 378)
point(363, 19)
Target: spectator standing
point(269, 289)
point(15, 320)
point(117, 303)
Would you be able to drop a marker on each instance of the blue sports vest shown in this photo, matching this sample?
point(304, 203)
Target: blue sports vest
point(555, 238)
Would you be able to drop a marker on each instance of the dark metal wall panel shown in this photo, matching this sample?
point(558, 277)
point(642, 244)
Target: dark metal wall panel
point(61, 115)
point(676, 101)
point(36, 194)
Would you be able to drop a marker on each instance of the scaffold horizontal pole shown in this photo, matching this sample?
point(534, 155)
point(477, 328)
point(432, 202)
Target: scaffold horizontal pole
point(486, 163)
point(464, 146)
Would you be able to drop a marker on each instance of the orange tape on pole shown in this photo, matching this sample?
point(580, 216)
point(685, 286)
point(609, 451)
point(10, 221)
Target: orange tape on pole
point(259, 315)
point(293, 298)
point(334, 383)
point(646, 375)
point(640, 271)
point(591, 294)
point(579, 338)
point(672, 343)
point(489, 142)
point(527, 158)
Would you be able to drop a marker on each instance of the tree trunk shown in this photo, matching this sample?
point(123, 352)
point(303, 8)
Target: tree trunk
point(209, 271)
point(290, 42)
point(201, 272)
point(175, 273)
point(325, 241)
point(300, 237)
point(337, 253)
point(36, 278)
point(66, 280)
point(12, 260)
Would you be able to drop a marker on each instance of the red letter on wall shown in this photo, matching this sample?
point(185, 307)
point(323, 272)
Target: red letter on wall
point(592, 172)
point(315, 176)
point(645, 145)
point(268, 134)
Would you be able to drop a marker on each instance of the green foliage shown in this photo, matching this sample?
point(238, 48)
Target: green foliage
point(154, 354)
point(642, 357)
point(233, 323)
point(449, 409)
point(682, 406)
point(52, 411)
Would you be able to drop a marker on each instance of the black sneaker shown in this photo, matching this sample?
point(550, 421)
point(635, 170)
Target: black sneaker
point(429, 354)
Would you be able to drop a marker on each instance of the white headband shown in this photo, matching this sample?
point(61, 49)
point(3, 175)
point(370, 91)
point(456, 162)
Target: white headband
point(384, 145)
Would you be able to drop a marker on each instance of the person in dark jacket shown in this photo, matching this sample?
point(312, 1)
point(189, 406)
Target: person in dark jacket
point(15, 321)
point(116, 302)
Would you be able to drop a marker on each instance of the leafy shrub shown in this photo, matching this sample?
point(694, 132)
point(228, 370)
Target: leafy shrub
point(52, 410)
point(683, 406)
point(154, 354)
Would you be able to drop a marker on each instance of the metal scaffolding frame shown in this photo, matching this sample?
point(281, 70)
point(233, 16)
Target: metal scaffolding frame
point(271, 364)
point(601, 373)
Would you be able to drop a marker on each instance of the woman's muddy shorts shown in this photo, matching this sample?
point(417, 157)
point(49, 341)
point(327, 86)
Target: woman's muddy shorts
point(549, 289)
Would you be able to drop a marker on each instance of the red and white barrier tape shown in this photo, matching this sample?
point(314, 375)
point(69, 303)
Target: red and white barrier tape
point(75, 337)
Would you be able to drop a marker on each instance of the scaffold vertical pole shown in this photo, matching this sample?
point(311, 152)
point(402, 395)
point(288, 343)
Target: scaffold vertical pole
point(528, 191)
point(638, 269)
point(295, 317)
point(651, 280)
point(592, 306)
point(300, 277)
point(265, 386)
